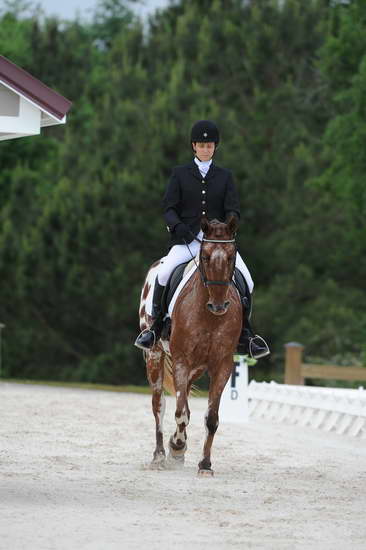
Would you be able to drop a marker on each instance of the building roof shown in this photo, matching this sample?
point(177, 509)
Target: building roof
point(33, 89)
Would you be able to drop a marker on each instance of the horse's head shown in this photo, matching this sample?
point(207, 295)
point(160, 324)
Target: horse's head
point(217, 261)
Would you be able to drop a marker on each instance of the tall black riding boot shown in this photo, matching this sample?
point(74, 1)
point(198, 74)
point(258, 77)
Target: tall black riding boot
point(250, 343)
point(147, 338)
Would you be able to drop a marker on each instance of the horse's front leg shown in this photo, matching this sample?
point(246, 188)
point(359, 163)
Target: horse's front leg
point(219, 375)
point(155, 374)
point(178, 441)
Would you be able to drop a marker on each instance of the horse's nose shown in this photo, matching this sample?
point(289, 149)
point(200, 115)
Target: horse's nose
point(218, 309)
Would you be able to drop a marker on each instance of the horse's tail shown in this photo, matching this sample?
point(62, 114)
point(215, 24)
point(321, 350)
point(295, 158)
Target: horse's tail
point(168, 375)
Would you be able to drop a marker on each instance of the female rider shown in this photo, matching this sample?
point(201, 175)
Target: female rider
point(200, 188)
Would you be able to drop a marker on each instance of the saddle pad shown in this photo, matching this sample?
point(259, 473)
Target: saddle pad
point(188, 270)
point(174, 280)
point(187, 274)
point(190, 265)
point(238, 280)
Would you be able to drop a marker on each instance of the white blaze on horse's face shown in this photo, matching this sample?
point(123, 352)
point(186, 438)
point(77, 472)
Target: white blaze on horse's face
point(217, 260)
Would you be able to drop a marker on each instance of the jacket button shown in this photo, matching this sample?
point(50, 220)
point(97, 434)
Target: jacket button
point(203, 202)
point(203, 212)
point(203, 192)
point(203, 181)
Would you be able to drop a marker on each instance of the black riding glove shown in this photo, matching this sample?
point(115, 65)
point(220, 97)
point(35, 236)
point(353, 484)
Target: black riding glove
point(182, 231)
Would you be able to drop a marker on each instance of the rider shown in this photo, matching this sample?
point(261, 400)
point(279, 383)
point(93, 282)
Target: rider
point(200, 188)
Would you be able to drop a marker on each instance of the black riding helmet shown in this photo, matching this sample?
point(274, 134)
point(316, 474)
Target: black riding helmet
point(204, 131)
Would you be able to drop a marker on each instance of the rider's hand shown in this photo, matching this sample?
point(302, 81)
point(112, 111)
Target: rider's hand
point(182, 231)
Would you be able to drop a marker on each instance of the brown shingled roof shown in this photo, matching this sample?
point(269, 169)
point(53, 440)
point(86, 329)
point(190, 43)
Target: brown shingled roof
point(32, 88)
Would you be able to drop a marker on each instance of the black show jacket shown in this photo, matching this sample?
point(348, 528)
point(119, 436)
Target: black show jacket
point(189, 196)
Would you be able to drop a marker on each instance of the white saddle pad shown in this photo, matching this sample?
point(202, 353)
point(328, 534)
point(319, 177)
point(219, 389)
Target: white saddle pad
point(188, 272)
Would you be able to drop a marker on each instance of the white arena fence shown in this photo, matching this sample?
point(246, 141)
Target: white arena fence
point(329, 409)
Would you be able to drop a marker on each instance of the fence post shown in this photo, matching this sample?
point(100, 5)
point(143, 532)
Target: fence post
point(293, 364)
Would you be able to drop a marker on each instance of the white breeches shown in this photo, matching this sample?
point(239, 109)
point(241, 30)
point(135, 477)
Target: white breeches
point(179, 254)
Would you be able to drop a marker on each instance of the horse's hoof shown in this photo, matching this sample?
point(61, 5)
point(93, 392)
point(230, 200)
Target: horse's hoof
point(205, 473)
point(158, 462)
point(157, 465)
point(175, 462)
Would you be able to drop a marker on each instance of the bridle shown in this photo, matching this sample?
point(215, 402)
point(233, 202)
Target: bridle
point(200, 268)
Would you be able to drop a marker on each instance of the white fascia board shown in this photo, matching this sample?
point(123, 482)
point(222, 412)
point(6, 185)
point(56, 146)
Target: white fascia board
point(48, 122)
point(57, 120)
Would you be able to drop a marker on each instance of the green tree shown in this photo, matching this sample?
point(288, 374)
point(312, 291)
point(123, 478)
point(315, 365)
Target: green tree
point(80, 207)
point(343, 65)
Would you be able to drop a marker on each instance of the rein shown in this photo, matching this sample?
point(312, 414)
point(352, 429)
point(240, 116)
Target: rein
point(204, 279)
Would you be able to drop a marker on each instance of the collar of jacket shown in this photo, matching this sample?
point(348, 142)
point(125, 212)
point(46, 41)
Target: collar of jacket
point(197, 174)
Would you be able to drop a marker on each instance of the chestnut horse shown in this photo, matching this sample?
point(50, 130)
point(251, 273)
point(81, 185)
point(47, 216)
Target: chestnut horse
point(206, 325)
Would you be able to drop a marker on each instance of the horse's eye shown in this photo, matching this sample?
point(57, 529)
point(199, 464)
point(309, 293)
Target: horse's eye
point(205, 258)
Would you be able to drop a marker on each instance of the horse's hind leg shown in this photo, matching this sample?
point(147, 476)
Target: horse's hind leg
point(155, 374)
point(219, 378)
point(178, 441)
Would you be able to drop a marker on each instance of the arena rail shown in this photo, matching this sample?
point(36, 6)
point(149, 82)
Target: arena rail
point(329, 409)
point(296, 370)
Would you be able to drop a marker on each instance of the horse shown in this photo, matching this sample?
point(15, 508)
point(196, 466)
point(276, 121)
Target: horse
point(205, 327)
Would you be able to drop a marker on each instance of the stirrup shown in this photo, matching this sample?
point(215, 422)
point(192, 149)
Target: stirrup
point(264, 353)
point(141, 333)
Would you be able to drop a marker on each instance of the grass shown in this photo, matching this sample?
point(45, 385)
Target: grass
point(81, 385)
point(89, 386)
point(129, 388)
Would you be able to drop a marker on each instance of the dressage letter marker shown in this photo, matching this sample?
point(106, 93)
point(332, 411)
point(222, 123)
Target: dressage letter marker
point(234, 400)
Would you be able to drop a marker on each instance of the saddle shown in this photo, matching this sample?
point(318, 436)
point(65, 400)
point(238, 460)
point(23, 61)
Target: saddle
point(173, 282)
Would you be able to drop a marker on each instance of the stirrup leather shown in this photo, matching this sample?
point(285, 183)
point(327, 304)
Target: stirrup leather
point(259, 341)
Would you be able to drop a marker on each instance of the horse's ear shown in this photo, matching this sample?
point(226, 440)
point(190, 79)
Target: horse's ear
point(204, 224)
point(232, 222)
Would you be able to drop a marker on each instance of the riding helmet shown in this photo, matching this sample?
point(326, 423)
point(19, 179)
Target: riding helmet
point(204, 131)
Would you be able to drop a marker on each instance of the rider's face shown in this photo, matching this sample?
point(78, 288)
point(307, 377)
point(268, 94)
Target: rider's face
point(204, 151)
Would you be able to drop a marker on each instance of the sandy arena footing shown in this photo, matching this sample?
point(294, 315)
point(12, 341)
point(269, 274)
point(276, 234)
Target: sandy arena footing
point(73, 476)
